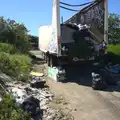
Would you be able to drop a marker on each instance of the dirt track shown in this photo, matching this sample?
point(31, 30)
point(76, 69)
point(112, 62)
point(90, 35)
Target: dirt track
point(85, 103)
point(81, 100)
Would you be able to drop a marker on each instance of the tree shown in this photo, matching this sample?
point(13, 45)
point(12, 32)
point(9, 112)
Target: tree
point(114, 28)
point(34, 41)
point(14, 33)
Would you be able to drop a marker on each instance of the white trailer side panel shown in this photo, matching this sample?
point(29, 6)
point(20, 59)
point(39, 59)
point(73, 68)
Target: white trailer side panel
point(47, 42)
point(45, 34)
point(56, 30)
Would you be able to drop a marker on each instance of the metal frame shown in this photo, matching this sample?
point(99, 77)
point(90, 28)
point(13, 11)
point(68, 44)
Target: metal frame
point(106, 21)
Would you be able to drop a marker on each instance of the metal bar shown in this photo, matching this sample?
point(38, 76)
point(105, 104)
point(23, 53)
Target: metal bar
point(76, 5)
point(106, 21)
point(56, 24)
point(69, 9)
point(62, 19)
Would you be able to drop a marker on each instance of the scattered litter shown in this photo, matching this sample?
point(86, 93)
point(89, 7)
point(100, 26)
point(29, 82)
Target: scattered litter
point(98, 83)
point(32, 99)
point(108, 77)
point(105, 75)
point(18, 94)
point(82, 27)
point(37, 74)
point(78, 26)
point(38, 84)
point(26, 94)
point(115, 69)
point(31, 105)
point(57, 73)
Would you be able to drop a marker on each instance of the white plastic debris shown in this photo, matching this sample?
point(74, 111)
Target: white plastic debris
point(0, 99)
point(19, 94)
point(81, 27)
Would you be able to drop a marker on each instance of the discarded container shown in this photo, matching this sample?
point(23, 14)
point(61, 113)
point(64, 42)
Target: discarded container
point(37, 74)
point(97, 82)
point(115, 69)
point(56, 73)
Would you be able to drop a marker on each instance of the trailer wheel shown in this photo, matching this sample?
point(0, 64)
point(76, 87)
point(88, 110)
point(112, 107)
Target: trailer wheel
point(51, 61)
point(48, 60)
point(45, 57)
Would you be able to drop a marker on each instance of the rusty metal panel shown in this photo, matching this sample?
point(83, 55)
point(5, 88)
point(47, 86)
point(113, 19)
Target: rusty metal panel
point(92, 15)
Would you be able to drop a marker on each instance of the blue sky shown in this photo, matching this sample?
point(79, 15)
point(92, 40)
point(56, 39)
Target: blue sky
point(34, 13)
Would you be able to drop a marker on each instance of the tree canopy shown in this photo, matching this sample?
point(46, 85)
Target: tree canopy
point(16, 34)
point(114, 28)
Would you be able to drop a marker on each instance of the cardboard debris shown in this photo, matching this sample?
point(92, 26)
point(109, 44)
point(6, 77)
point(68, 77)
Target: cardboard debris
point(37, 74)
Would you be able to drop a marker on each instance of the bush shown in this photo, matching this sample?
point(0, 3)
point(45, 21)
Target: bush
point(114, 53)
point(114, 48)
point(23, 46)
point(10, 111)
point(7, 48)
point(15, 65)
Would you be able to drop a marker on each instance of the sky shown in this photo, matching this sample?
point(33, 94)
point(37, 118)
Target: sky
point(34, 13)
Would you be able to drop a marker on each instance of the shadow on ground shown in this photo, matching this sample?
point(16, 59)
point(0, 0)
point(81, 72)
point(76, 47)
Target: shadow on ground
point(115, 88)
point(81, 74)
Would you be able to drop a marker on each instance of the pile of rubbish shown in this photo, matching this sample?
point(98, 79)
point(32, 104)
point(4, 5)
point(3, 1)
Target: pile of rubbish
point(78, 26)
point(114, 69)
point(102, 77)
point(32, 97)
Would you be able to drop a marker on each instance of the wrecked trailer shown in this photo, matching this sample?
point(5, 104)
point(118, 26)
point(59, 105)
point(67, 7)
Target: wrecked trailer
point(57, 42)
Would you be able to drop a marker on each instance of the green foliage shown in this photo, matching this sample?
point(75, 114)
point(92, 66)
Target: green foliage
point(114, 38)
point(7, 48)
point(114, 53)
point(14, 33)
point(114, 28)
point(33, 41)
point(9, 110)
point(14, 39)
point(15, 65)
point(114, 48)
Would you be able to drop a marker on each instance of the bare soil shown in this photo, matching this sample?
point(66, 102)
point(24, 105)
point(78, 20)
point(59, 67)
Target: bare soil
point(75, 97)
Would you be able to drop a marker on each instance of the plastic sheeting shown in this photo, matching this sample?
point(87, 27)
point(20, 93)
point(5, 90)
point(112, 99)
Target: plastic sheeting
point(98, 83)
